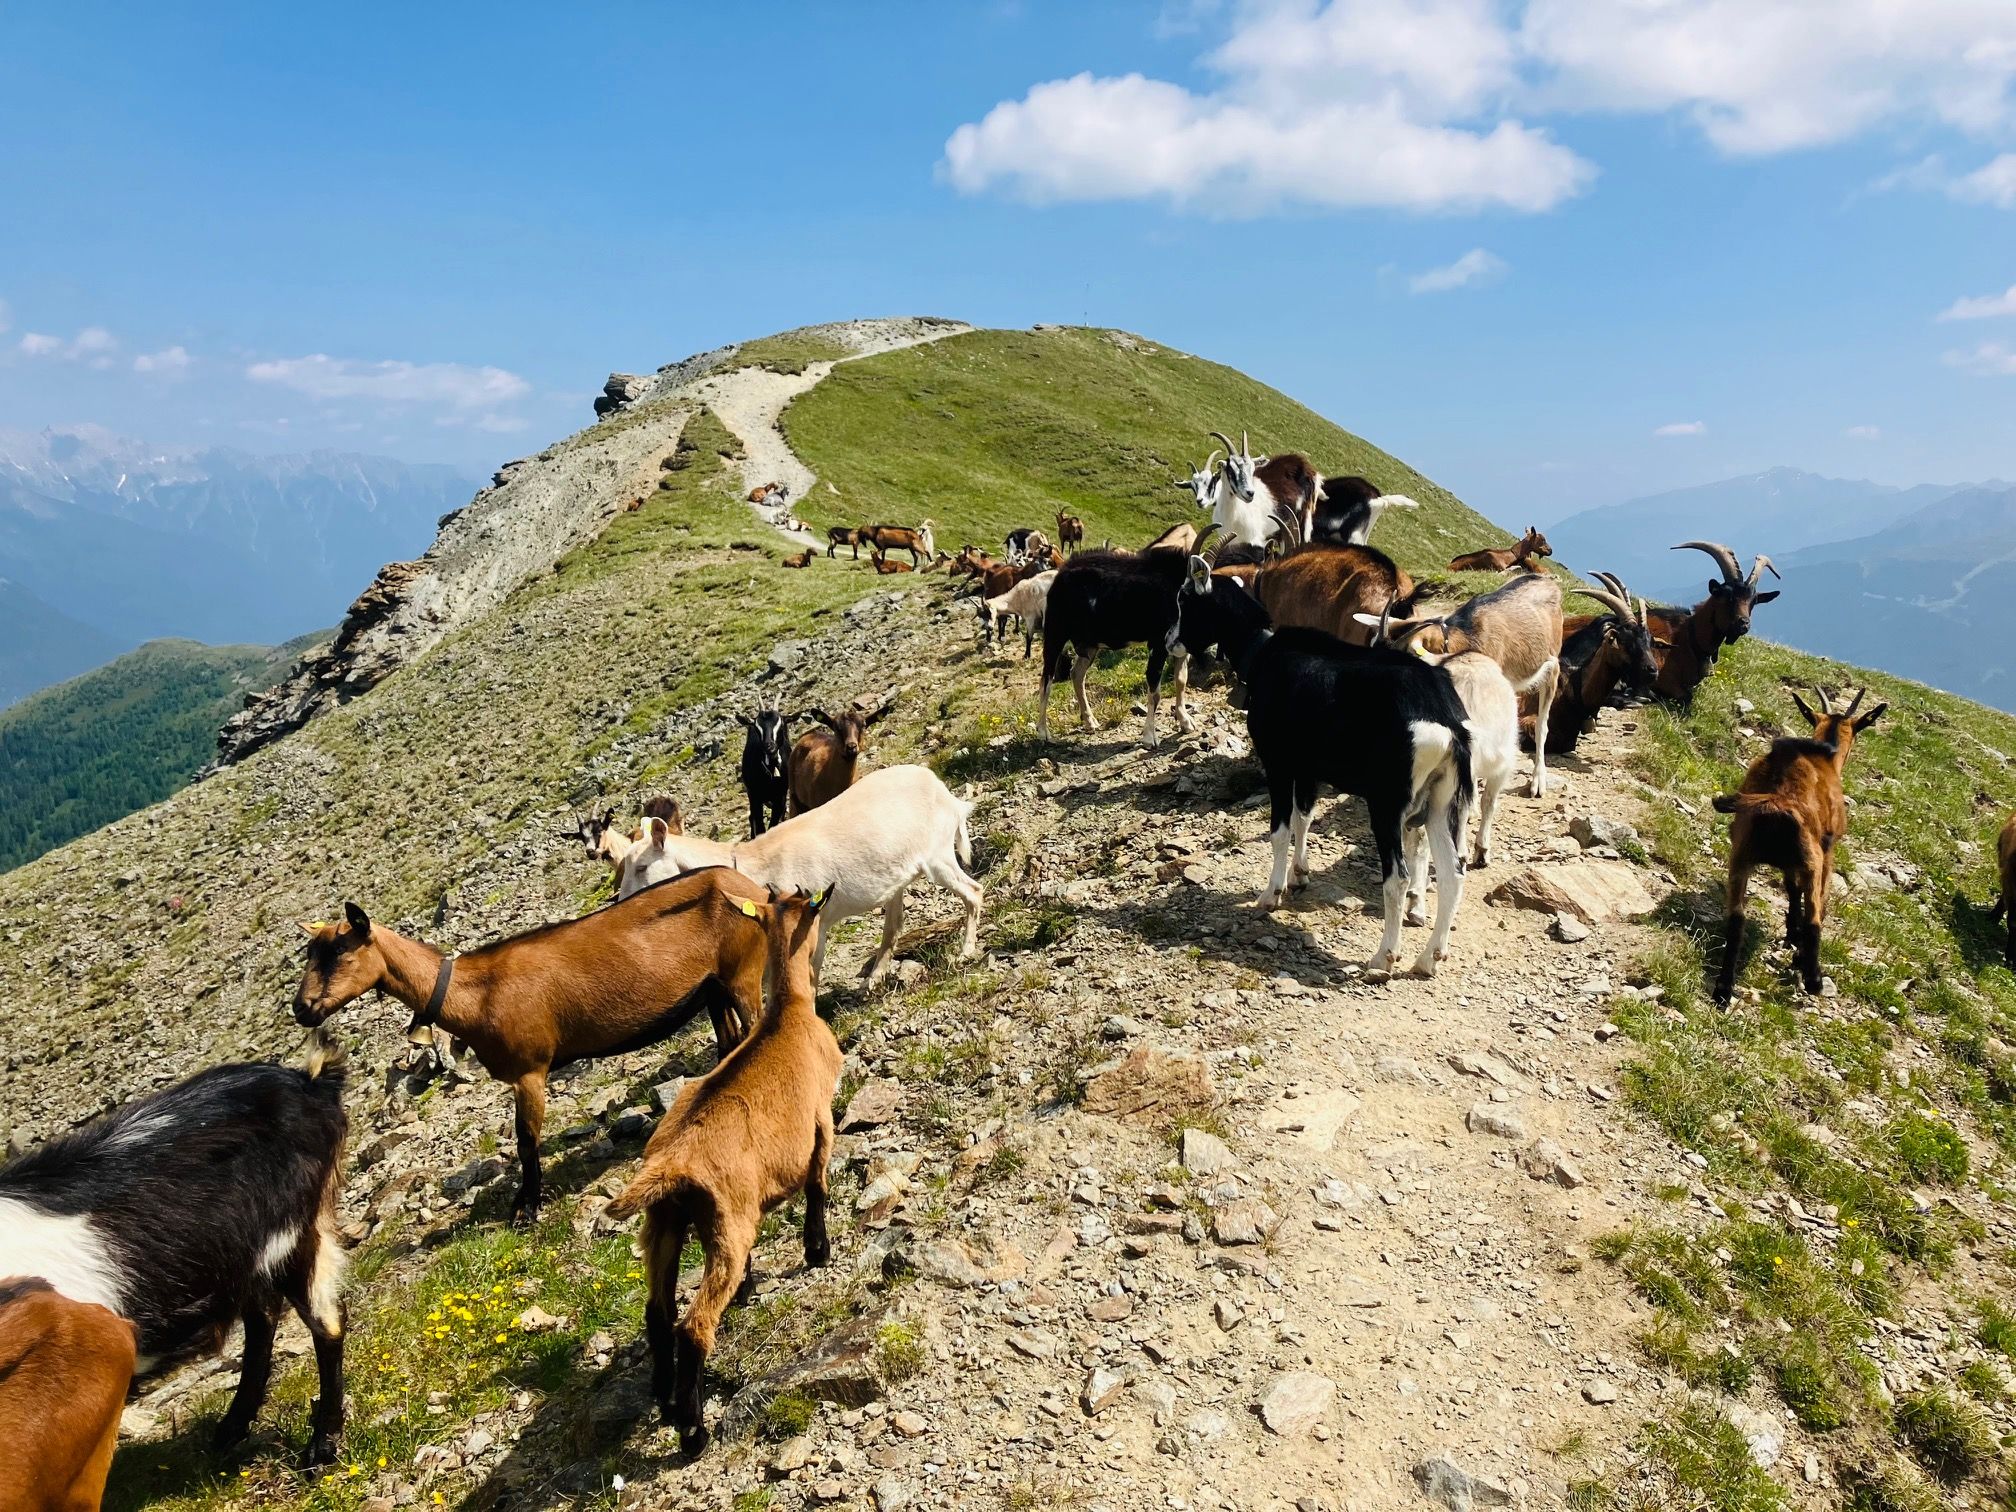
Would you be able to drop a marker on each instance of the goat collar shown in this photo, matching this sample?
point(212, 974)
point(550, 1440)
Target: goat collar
point(432, 1012)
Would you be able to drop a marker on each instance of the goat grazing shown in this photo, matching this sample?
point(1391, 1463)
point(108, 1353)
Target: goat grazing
point(845, 535)
point(1505, 558)
point(765, 775)
point(1025, 603)
point(1070, 531)
point(825, 762)
point(1790, 813)
point(1381, 724)
point(1104, 601)
point(1598, 655)
point(914, 539)
point(1348, 508)
point(752, 1133)
point(1519, 627)
point(1696, 636)
point(2005, 900)
point(64, 1370)
point(868, 846)
point(616, 980)
point(209, 1203)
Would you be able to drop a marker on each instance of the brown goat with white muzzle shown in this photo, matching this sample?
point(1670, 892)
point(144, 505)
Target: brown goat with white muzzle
point(751, 1134)
point(621, 978)
point(64, 1369)
point(826, 762)
point(1790, 813)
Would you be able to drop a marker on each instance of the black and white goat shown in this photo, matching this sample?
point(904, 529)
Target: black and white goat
point(1256, 500)
point(1105, 601)
point(1348, 508)
point(1379, 723)
point(765, 777)
point(207, 1204)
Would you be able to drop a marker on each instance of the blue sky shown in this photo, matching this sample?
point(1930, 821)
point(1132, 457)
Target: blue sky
point(432, 231)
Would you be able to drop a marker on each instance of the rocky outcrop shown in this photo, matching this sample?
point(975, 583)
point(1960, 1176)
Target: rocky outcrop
point(620, 392)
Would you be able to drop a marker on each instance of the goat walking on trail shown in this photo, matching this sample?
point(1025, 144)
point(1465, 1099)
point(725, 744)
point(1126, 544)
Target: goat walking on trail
point(749, 1135)
point(825, 762)
point(1379, 723)
point(1790, 813)
point(764, 776)
point(616, 980)
point(209, 1203)
point(64, 1370)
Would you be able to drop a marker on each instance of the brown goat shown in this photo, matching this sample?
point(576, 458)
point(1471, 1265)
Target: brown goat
point(887, 567)
point(844, 535)
point(1696, 636)
point(751, 1134)
point(825, 762)
point(2005, 871)
point(761, 493)
point(64, 1370)
point(1790, 813)
point(1505, 558)
point(1070, 531)
point(915, 540)
point(1322, 587)
point(621, 978)
point(799, 559)
point(1182, 536)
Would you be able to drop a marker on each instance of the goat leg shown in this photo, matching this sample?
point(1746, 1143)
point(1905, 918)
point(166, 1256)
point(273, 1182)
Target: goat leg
point(1283, 795)
point(253, 1376)
point(1732, 940)
point(892, 926)
point(326, 1420)
point(1445, 840)
point(530, 1120)
point(818, 1248)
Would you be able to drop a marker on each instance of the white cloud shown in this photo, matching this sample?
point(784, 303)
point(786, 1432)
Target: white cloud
point(1473, 267)
point(93, 345)
point(1982, 306)
point(35, 344)
point(169, 361)
point(1991, 359)
point(452, 386)
point(1427, 105)
point(1683, 428)
point(1863, 433)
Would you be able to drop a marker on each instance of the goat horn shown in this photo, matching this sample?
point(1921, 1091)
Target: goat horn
point(1211, 461)
point(1759, 565)
point(1860, 694)
point(1385, 624)
point(1641, 611)
point(1724, 558)
point(1826, 701)
point(1245, 446)
point(1609, 580)
point(1221, 436)
point(1197, 546)
point(1617, 606)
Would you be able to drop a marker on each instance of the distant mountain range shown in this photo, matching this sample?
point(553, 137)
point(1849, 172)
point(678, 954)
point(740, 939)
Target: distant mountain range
point(106, 543)
point(1918, 581)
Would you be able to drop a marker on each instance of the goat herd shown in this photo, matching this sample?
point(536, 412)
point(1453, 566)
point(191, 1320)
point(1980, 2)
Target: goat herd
point(135, 1242)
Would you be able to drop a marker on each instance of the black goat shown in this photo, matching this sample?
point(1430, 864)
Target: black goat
point(1613, 650)
point(764, 777)
point(1348, 508)
point(1376, 722)
point(1106, 600)
point(209, 1203)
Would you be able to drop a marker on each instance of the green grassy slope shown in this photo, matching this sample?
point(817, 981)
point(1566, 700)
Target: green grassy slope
point(1887, 1111)
point(120, 737)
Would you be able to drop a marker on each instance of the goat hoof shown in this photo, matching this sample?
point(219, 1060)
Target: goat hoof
point(228, 1436)
point(693, 1440)
point(819, 1255)
point(321, 1450)
point(1268, 899)
point(1416, 917)
point(1424, 964)
point(524, 1217)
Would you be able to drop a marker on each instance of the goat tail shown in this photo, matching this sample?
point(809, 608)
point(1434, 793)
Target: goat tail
point(657, 1185)
point(1394, 501)
point(1745, 803)
point(327, 1066)
point(962, 839)
point(1466, 784)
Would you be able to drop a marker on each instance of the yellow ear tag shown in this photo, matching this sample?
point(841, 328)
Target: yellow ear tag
point(746, 906)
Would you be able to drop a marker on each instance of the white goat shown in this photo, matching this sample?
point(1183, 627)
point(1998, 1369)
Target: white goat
point(1494, 759)
point(1026, 602)
point(868, 845)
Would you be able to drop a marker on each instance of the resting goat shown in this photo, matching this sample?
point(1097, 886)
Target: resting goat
point(825, 762)
point(209, 1203)
point(616, 980)
point(800, 558)
point(1790, 813)
point(1348, 508)
point(1517, 626)
point(1025, 603)
point(1102, 601)
point(1697, 636)
point(64, 1370)
point(886, 538)
point(2005, 873)
point(869, 845)
point(1505, 558)
point(1606, 652)
point(765, 778)
point(752, 1133)
point(1382, 724)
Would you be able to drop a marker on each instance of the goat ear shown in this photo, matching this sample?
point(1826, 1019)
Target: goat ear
point(1717, 588)
point(745, 721)
point(311, 930)
point(360, 921)
point(1870, 718)
point(1370, 620)
point(1661, 645)
point(818, 900)
point(1765, 598)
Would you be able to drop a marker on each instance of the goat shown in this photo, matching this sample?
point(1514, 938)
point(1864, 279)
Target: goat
point(64, 1370)
point(887, 567)
point(1348, 508)
point(765, 776)
point(1505, 558)
point(1025, 602)
point(1070, 531)
point(1180, 537)
point(1696, 636)
point(2005, 872)
point(1790, 813)
point(845, 535)
point(1104, 601)
point(761, 493)
point(824, 762)
point(1378, 723)
point(1599, 653)
point(749, 1135)
point(1328, 588)
point(1253, 498)
point(615, 980)
point(1519, 627)
point(914, 539)
point(208, 1203)
point(971, 561)
point(799, 558)
point(868, 845)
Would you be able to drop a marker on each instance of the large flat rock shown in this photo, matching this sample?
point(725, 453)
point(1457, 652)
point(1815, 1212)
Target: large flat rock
point(1596, 892)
